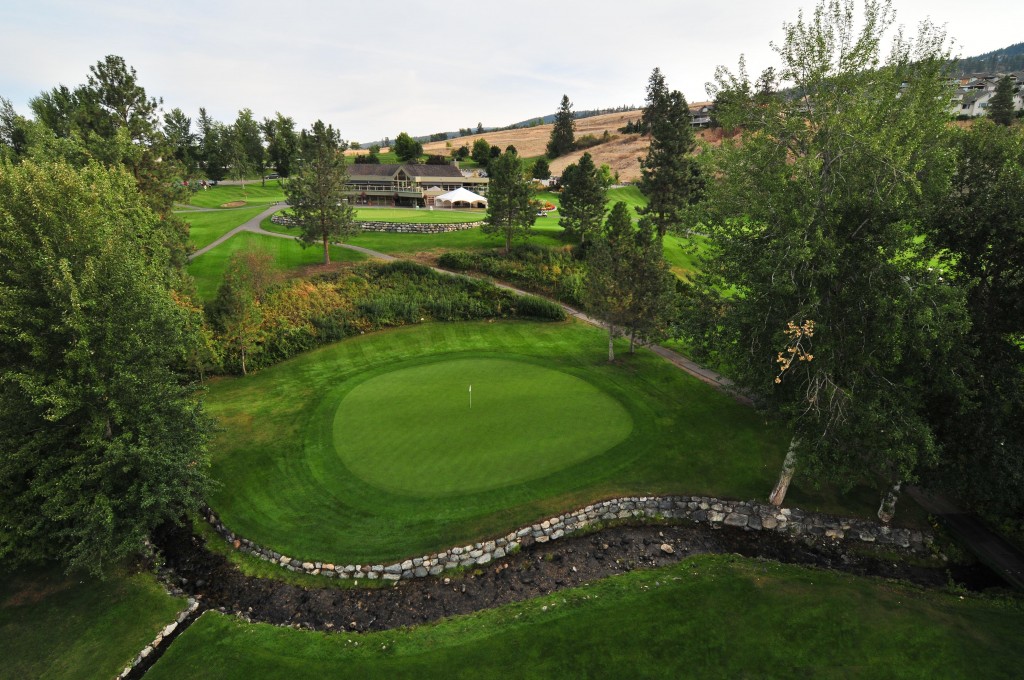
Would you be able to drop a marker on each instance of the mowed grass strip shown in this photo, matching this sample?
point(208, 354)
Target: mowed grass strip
point(207, 227)
point(57, 626)
point(419, 216)
point(707, 617)
point(252, 194)
point(546, 234)
point(284, 486)
point(208, 268)
point(459, 426)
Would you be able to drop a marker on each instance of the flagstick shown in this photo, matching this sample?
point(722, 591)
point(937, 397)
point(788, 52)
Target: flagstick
point(471, 396)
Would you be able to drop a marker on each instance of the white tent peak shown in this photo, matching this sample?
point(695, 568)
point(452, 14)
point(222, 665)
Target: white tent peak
point(460, 195)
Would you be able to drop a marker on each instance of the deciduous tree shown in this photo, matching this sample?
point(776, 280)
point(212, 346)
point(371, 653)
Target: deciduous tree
point(102, 439)
point(407, 149)
point(814, 218)
point(481, 153)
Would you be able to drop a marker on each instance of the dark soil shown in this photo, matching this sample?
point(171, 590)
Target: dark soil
point(535, 570)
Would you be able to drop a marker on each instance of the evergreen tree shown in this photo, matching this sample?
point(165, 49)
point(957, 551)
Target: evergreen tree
point(563, 132)
point(670, 176)
point(250, 141)
point(541, 170)
point(609, 271)
point(1000, 107)
point(653, 288)
point(317, 193)
point(584, 191)
point(510, 208)
point(282, 143)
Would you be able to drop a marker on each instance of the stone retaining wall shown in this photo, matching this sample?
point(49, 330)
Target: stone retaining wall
point(164, 633)
point(749, 516)
point(395, 227)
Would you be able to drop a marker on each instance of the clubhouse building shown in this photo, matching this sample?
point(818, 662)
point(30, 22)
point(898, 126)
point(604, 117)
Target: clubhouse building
point(407, 184)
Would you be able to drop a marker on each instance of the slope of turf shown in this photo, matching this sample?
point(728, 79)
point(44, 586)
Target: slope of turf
point(279, 437)
point(708, 617)
point(56, 626)
point(252, 194)
point(421, 216)
point(457, 426)
point(207, 227)
point(545, 233)
point(208, 268)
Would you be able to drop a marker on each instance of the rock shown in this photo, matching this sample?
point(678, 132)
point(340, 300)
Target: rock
point(668, 549)
point(407, 565)
point(769, 522)
point(393, 569)
point(484, 559)
point(499, 553)
point(715, 516)
point(308, 566)
point(392, 577)
point(735, 519)
point(420, 572)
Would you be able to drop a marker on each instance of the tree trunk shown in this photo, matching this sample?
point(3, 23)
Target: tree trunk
point(243, 362)
point(786, 476)
point(327, 251)
point(611, 345)
point(508, 244)
point(887, 510)
point(632, 341)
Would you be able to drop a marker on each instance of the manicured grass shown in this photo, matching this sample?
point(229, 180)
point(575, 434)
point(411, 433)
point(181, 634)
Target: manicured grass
point(284, 486)
point(418, 216)
point(254, 194)
point(56, 626)
point(546, 233)
point(207, 227)
point(707, 617)
point(683, 253)
point(457, 425)
point(208, 268)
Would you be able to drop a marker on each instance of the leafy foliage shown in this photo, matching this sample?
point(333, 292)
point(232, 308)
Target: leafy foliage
point(102, 440)
point(583, 197)
point(407, 149)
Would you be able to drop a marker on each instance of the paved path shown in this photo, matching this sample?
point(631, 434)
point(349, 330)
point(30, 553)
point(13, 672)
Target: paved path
point(993, 551)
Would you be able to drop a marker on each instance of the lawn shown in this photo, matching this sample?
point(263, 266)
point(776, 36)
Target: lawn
point(710, 616)
point(546, 233)
point(208, 268)
point(456, 425)
point(207, 227)
point(290, 484)
point(253, 194)
point(418, 216)
point(56, 626)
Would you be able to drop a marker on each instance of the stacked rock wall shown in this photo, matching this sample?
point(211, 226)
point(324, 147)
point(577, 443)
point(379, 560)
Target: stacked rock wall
point(749, 516)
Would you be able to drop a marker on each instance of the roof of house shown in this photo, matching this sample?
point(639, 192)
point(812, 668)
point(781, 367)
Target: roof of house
point(413, 170)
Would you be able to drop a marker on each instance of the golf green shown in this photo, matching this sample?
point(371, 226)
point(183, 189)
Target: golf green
point(467, 425)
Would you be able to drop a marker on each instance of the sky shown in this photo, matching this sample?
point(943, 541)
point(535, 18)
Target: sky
point(378, 67)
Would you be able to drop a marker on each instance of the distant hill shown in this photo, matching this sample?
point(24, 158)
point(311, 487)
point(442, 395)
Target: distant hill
point(1007, 59)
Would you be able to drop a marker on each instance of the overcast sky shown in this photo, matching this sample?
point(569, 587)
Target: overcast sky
point(375, 68)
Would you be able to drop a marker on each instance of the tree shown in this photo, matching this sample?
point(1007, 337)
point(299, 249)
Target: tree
point(652, 288)
point(563, 132)
point(250, 139)
point(15, 132)
point(510, 209)
point(670, 176)
point(1000, 107)
point(183, 142)
point(978, 227)
point(541, 169)
point(462, 153)
point(317, 194)
point(608, 272)
point(236, 311)
point(212, 155)
point(239, 163)
point(479, 128)
point(102, 438)
point(481, 153)
point(817, 293)
point(282, 143)
point(584, 192)
point(407, 149)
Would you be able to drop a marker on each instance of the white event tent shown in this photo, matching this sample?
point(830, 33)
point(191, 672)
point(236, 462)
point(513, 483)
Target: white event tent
point(460, 195)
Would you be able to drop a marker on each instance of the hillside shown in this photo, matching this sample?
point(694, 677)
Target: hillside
point(998, 61)
point(622, 154)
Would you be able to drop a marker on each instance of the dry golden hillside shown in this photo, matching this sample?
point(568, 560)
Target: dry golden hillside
point(622, 154)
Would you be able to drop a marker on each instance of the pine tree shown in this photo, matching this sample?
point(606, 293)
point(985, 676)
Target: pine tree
point(670, 176)
point(1000, 107)
point(584, 189)
point(563, 133)
point(510, 208)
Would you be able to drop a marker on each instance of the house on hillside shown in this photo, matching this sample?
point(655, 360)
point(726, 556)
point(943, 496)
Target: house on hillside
point(974, 93)
point(407, 184)
point(700, 114)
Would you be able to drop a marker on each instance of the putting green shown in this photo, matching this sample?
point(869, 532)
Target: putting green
point(460, 426)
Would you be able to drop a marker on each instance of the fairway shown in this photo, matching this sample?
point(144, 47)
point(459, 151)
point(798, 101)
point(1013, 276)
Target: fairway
point(468, 425)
